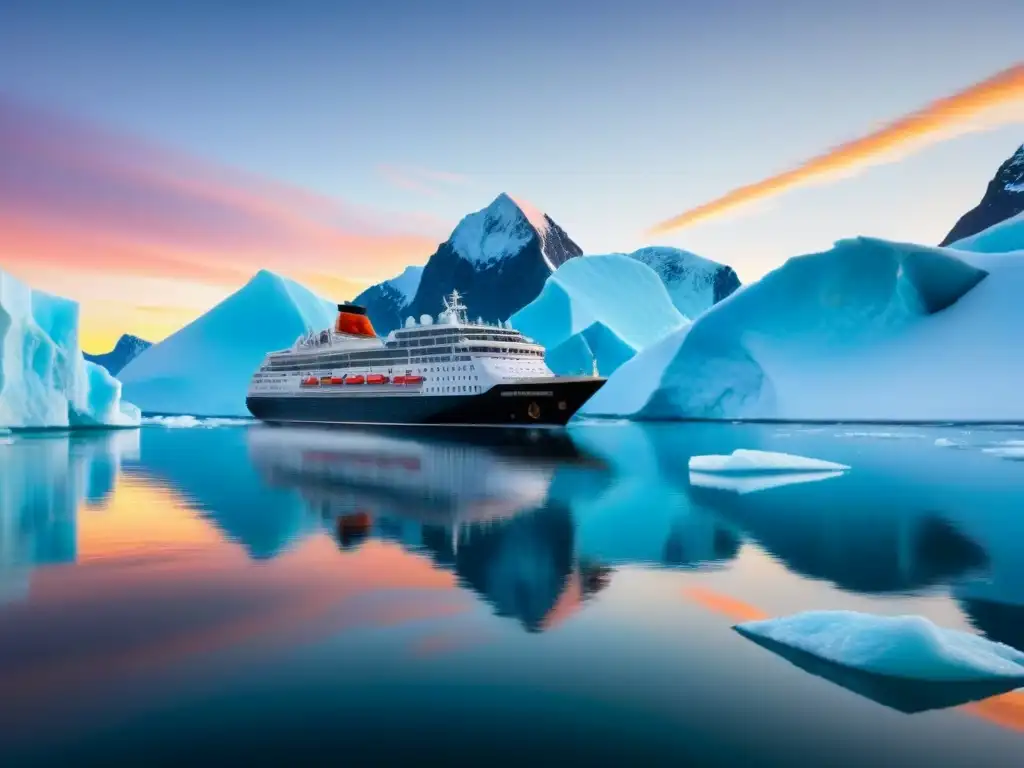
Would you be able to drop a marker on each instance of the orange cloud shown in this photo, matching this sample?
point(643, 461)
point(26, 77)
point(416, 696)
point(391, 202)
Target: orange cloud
point(940, 119)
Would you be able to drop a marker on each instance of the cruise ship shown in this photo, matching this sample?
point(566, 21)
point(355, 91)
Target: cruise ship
point(444, 372)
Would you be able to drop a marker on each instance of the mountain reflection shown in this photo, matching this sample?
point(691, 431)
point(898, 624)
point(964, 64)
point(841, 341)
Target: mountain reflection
point(534, 524)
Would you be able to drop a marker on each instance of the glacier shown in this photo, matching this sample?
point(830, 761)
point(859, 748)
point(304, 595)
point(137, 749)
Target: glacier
point(870, 330)
point(909, 647)
point(44, 380)
point(204, 369)
point(617, 304)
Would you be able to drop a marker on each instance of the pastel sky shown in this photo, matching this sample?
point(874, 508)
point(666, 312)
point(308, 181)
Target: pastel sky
point(153, 156)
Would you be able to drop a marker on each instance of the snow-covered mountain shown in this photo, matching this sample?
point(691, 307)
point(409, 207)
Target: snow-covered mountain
point(128, 347)
point(1004, 198)
point(498, 258)
point(694, 283)
point(387, 303)
point(204, 369)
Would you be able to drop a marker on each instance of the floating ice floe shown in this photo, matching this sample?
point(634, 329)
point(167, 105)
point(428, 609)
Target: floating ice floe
point(884, 435)
point(187, 422)
point(742, 484)
point(1006, 451)
point(906, 647)
point(743, 461)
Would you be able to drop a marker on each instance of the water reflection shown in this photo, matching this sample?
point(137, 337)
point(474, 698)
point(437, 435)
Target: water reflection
point(147, 561)
point(43, 482)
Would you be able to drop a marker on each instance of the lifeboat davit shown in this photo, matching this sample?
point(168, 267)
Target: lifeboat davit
point(354, 380)
point(376, 378)
point(312, 381)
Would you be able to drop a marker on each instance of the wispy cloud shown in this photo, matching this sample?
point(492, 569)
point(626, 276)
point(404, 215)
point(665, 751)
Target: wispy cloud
point(76, 196)
point(424, 181)
point(987, 104)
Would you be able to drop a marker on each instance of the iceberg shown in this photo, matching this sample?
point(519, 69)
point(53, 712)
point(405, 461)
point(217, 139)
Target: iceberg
point(869, 331)
point(743, 461)
point(617, 304)
point(204, 369)
point(1004, 237)
point(44, 380)
point(909, 647)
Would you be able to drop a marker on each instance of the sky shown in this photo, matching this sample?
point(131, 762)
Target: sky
point(154, 156)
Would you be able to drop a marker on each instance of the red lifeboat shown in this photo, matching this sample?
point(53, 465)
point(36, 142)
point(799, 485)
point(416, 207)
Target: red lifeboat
point(311, 381)
point(355, 380)
point(398, 380)
point(413, 379)
point(335, 380)
point(376, 378)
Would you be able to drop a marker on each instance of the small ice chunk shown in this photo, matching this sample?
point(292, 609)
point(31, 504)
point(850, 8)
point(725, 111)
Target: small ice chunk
point(945, 442)
point(742, 484)
point(188, 422)
point(1006, 452)
point(743, 461)
point(906, 647)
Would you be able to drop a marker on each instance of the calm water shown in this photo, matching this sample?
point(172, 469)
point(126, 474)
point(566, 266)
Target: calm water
point(305, 596)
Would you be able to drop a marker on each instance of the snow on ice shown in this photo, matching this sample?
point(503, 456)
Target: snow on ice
point(616, 304)
point(204, 369)
point(44, 380)
point(908, 647)
point(870, 330)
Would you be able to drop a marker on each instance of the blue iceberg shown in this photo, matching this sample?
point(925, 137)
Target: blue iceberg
point(204, 369)
point(44, 380)
point(869, 330)
point(617, 304)
point(910, 647)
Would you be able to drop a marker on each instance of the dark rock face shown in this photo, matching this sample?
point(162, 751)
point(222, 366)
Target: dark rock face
point(726, 283)
point(128, 347)
point(385, 307)
point(1004, 199)
point(493, 291)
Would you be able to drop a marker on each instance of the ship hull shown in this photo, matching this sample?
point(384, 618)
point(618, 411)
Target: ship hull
point(537, 402)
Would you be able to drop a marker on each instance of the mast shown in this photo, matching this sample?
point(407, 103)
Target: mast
point(454, 308)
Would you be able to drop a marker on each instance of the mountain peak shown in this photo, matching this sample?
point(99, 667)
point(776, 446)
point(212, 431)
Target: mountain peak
point(492, 233)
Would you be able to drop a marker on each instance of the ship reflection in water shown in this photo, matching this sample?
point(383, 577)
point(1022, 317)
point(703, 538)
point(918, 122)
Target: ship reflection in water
point(479, 508)
point(199, 595)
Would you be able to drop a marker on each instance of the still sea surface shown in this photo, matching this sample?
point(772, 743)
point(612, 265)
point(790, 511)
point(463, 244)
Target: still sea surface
point(244, 593)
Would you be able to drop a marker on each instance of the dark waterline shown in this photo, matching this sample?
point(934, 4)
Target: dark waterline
point(284, 595)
